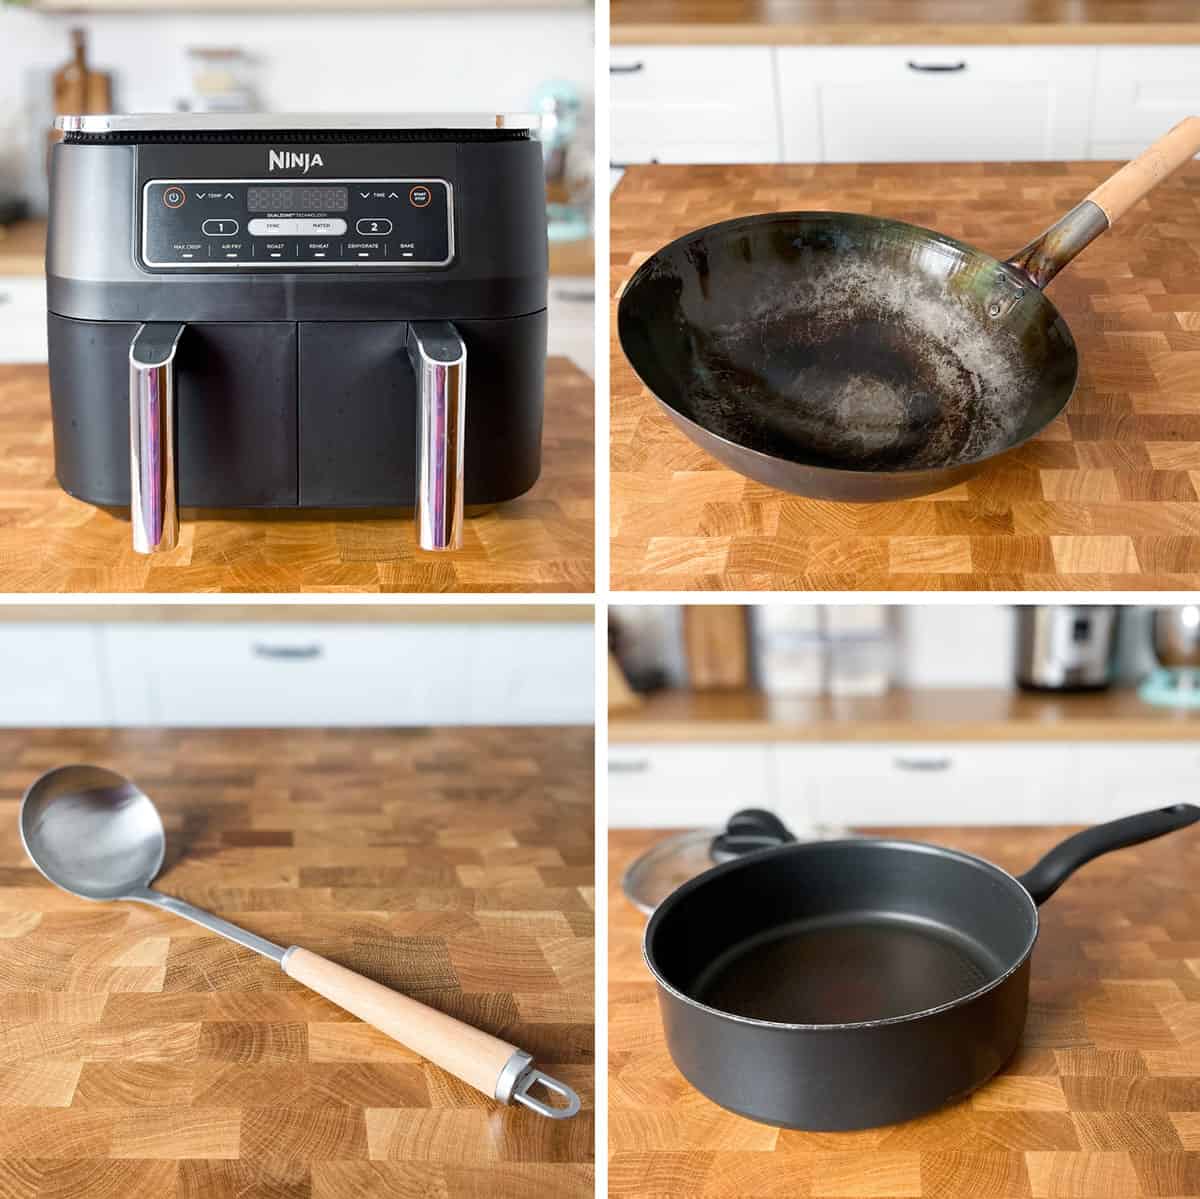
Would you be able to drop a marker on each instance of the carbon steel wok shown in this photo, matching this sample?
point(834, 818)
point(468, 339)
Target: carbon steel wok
point(847, 984)
point(851, 357)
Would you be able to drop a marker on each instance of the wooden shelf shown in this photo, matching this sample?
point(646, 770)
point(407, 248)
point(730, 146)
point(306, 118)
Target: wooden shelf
point(905, 22)
point(981, 714)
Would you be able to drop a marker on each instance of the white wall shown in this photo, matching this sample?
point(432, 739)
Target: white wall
point(491, 59)
point(952, 646)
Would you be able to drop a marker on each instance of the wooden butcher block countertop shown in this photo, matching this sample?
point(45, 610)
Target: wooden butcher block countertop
point(900, 22)
point(142, 1057)
point(543, 541)
point(1101, 1102)
point(1105, 498)
point(929, 714)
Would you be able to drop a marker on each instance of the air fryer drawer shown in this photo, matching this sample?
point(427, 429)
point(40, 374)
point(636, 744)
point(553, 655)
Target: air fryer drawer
point(237, 412)
point(358, 411)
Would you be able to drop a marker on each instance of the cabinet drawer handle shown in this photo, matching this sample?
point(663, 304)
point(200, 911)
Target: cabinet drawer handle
point(287, 653)
point(632, 68)
point(938, 68)
point(929, 765)
point(638, 766)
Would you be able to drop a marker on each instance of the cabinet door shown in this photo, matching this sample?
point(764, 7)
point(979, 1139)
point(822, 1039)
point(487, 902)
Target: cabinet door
point(693, 104)
point(22, 320)
point(530, 674)
point(685, 786)
point(1141, 91)
point(52, 675)
point(928, 784)
point(934, 103)
point(288, 674)
point(1136, 776)
point(258, 675)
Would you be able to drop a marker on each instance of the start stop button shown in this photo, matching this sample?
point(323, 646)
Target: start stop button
point(419, 197)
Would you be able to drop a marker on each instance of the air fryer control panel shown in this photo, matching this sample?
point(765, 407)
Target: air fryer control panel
point(258, 224)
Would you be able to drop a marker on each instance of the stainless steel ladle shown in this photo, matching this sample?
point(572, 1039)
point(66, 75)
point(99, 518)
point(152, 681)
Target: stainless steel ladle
point(94, 833)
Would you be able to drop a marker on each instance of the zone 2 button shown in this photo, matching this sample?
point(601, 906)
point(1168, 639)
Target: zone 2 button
point(369, 224)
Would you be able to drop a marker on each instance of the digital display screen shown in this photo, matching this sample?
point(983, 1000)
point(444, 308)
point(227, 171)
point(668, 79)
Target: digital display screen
point(298, 199)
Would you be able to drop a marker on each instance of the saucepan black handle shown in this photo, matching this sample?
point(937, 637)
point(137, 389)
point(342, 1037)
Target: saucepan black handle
point(1044, 878)
point(748, 831)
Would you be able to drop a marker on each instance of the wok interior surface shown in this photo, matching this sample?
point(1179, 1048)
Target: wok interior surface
point(841, 932)
point(845, 341)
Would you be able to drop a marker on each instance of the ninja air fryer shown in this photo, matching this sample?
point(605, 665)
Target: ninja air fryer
point(258, 311)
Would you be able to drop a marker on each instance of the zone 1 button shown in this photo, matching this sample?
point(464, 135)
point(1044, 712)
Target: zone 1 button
point(174, 197)
point(215, 228)
point(370, 224)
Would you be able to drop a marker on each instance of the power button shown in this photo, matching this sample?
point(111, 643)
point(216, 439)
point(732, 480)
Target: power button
point(174, 197)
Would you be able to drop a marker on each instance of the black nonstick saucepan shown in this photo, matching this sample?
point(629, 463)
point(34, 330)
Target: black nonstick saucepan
point(847, 984)
point(851, 357)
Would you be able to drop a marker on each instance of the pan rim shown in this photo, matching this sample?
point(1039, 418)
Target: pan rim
point(869, 219)
point(874, 844)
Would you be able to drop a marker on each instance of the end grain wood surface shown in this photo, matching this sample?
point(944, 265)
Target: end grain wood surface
point(906, 22)
point(50, 542)
point(141, 1057)
point(1105, 498)
point(1102, 1100)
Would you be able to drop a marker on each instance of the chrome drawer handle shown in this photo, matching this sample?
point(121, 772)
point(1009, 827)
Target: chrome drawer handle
point(937, 68)
point(929, 765)
point(287, 653)
point(640, 766)
point(632, 68)
point(154, 498)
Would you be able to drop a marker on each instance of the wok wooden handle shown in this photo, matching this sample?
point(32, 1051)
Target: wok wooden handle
point(468, 1053)
point(1138, 178)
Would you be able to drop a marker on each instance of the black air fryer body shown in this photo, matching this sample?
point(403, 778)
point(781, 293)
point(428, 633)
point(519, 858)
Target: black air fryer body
point(296, 257)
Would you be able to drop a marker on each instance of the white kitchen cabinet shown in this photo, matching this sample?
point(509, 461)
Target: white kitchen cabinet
point(571, 305)
point(1141, 91)
point(922, 783)
point(694, 104)
point(528, 674)
point(686, 786)
point(52, 675)
point(22, 319)
point(829, 785)
point(1134, 777)
point(935, 103)
point(330, 674)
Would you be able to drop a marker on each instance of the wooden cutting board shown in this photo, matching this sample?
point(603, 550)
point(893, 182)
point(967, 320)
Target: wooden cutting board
point(1101, 1102)
point(77, 88)
point(1106, 498)
point(716, 639)
point(141, 1056)
point(543, 541)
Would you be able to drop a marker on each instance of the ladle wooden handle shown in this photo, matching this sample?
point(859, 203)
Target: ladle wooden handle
point(500, 1070)
point(1119, 193)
